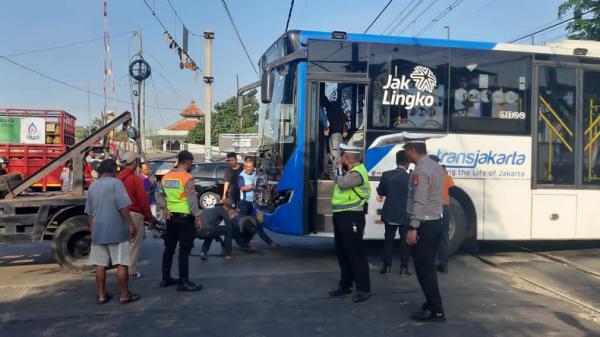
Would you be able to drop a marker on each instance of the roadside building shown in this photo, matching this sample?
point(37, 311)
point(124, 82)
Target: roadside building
point(173, 136)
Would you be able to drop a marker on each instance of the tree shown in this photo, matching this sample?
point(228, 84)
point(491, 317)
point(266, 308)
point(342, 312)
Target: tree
point(580, 28)
point(225, 120)
point(83, 132)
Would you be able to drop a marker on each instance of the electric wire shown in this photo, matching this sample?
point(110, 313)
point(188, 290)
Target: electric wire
point(551, 26)
point(72, 44)
point(377, 17)
point(418, 16)
point(439, 17)
point(287, 24)
point(72, 86)
point(238, 36)
point(167, 31)
point(398, 17)
point(409, 13)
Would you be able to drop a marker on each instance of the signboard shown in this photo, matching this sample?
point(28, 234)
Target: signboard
point(239, 142)
point(10, 130)
point(33, 130)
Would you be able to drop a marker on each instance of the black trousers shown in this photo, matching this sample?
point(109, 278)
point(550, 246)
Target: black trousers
point(429, 236)
point(348, 229)
point(443, 250)
point(388, 245)
point(180, 229)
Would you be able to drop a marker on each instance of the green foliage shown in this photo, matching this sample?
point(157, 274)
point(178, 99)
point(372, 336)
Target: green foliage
point(582, 29)
point(83, 132)
point(225, 120)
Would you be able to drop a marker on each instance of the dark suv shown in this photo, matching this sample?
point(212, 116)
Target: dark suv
point(209, 179)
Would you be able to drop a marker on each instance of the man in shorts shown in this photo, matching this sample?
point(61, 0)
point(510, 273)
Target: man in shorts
point(112, 227)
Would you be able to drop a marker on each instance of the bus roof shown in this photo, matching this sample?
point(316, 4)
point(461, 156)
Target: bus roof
point(582, 48)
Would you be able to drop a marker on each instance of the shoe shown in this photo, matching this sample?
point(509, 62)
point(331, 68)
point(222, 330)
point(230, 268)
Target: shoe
point(405, 272)
point(360, 297)
point(135, 276)
point(386, 270)
point(427, 315)
point(442, 268)
point(168, 282)
point(203, 256)
point(189, 286)
point(340, 292)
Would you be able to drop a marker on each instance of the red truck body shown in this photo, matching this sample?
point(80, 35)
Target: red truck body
point(28, 158)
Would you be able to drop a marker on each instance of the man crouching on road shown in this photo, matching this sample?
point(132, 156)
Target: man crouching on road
point(177, 200)
point(111, 227)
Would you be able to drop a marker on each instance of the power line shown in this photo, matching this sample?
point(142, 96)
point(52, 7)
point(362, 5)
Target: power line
point(72, 44)
point(439, 17)
point(72, 86)
point(468, 15)
point(287, 24)
point(377, 17)
point(155, 16)
point(175, 11)
point(418, 16)
point(552, 26)
point(408, 15)
point(398, 16)
point(187, 56)
point(238, 36)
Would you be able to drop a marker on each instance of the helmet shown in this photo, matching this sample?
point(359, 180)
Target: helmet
point(3, 160)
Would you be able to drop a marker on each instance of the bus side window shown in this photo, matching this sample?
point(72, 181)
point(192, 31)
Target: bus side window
point(489, 92)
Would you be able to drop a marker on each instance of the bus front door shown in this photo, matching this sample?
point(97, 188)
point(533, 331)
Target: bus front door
point(337, 115)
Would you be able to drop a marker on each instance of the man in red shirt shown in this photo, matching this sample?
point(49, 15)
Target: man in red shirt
point(140, 206)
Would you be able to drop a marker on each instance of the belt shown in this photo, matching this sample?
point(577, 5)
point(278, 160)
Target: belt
point(181, 215)
point(431, 217)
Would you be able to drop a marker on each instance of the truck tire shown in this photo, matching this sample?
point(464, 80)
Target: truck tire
point(71, 244)
point(458, 227)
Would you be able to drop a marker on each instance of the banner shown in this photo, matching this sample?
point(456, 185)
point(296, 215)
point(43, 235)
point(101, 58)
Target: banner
point(10, 130)
point(33, 130)
point(239, 142)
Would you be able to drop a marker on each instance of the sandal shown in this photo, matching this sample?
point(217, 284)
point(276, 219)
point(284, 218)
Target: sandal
point(135, 276)
point(131, 297)
point(107, 298)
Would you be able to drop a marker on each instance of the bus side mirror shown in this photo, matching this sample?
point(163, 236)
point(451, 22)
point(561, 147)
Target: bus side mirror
point(266, 88)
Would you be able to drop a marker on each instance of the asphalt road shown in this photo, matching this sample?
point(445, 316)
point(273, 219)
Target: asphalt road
point(283, 292)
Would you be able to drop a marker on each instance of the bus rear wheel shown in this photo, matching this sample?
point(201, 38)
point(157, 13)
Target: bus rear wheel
point(71, 244)
point(457, 227)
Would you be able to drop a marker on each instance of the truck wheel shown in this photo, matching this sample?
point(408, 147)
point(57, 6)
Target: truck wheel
point(71, 244)
point(209, 199)
point(457, 229)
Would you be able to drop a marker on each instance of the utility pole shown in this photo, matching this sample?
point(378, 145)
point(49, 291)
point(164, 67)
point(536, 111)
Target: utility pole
point(141, 102)
point(208, 80)
point(240, 108)
point(89, 105)
point(447, 28)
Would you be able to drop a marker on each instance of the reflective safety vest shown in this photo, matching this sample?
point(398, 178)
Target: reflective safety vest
point(355, 198)
point(173, 184)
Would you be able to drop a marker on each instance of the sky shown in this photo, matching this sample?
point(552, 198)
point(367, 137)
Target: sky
point(27, 25)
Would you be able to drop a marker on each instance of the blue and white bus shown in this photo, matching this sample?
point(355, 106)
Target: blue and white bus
point(517, 126)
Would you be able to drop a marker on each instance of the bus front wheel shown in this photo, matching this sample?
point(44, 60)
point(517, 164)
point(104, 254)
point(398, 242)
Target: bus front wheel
point(458, 226)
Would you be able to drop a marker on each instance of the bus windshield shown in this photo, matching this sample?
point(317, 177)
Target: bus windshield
point(278, 119)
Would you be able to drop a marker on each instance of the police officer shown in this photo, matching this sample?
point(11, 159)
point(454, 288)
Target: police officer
point(350, 196)
point(425, 229)
point(178, 202)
